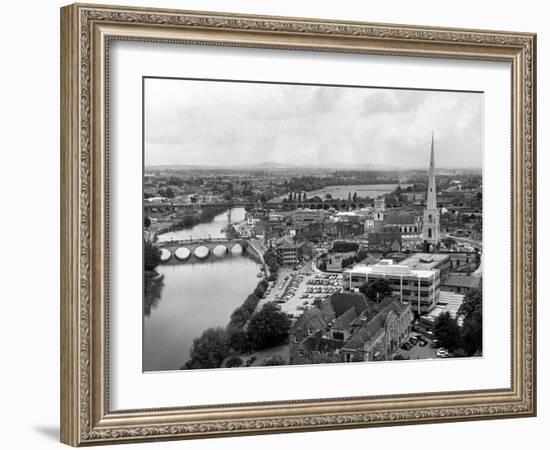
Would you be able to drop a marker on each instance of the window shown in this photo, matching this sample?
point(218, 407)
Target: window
point(430, 231)
point(309, 331)
point(338, 335)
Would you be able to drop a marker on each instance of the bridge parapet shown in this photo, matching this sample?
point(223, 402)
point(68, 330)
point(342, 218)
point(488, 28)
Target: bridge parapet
point(206, 242)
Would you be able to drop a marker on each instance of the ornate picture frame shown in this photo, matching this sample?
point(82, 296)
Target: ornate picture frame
point(86, 32)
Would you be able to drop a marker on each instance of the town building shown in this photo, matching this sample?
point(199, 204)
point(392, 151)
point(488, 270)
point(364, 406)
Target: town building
point(415, 198)
point(347, 327)
point(287, 251)
point(384, 241)
point(403, 222)
point(419, 288)
point(430, 225)
point(379, 208)
point(379, 337)
point(368, 223)
point(461, 284)
point(448, 302)
point(312, 232)
point(429, 261)
point(306, 216)
point(343, 229)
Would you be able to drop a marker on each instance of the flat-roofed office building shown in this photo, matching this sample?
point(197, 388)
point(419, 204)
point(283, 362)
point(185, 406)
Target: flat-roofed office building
point(419, 288)
point(429, 261)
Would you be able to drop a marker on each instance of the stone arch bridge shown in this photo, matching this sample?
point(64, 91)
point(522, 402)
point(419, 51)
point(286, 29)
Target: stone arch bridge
point(184, 249)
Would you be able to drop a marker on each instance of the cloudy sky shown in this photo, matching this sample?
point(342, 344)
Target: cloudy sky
point(195, 122)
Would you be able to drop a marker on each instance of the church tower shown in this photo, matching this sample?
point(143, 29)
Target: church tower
point(430, 226)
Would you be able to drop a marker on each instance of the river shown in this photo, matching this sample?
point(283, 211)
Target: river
point(213, 229)
point(193, 296)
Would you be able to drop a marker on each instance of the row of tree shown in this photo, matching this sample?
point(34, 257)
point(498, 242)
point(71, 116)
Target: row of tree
point(270, 259)
point(267, 328)
point(465, 340)
point(151, 255)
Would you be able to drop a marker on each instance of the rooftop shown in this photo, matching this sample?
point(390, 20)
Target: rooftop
point(462, 281)
point(400, 219)
point(341, 303)
point(389, 269)
point(424, 261)
point(448, 301)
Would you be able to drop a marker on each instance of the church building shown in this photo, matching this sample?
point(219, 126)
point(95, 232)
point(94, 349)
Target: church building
point(430, 225)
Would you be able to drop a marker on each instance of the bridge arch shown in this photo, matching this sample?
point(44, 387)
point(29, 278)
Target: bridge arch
point(182, 253)
point(165, 254)
point(201, 252)
point(220, 250)
point(237, 249)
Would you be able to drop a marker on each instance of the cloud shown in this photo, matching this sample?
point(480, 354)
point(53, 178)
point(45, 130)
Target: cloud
point(217, 123)
point(393, 101)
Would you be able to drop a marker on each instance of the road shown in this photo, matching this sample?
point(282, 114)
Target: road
point(477, 244)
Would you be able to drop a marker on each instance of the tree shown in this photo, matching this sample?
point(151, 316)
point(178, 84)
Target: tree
point(448, 241)
point(328, 196)
point(471, 303)
point(274, 361)
point(349, 196)
point(239, 317)
point(151, 255)
point(472, 313)
point(234, 361)
point(238, 340)
point(447, 331)
point(376, 290)
point(260, 290)
point(268, 327)
point(209, 350)
point(361, 255)
point(251, 302)
point(346, 262)
point(472, 335)
point(355, 196)
point(146, 222)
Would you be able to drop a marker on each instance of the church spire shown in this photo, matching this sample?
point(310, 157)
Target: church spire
point(430, 225)
point(431, 203)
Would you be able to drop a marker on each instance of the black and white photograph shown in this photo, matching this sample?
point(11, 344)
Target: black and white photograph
point(291, 224)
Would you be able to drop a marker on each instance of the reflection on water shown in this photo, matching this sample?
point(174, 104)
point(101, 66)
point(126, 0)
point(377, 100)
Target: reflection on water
point(152, 289)
point(192, 296)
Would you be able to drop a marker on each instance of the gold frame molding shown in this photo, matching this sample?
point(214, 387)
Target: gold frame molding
point(86, 31)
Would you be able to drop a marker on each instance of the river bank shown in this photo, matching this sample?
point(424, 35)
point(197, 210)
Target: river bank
point(188, 222)
point(194, 296)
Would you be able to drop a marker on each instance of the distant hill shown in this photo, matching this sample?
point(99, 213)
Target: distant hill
point(272, 166)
